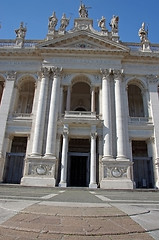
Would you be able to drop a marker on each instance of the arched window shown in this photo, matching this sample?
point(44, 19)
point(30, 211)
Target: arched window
point(135, 100)
point(80, 97)
point(1, 89)
point(26, 97)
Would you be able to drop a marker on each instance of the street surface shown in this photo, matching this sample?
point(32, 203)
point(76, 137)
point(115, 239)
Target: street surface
point(140, 206)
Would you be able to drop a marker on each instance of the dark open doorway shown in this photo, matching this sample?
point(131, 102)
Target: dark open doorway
point(78, 163)
point(14, 164)
point(143, 167)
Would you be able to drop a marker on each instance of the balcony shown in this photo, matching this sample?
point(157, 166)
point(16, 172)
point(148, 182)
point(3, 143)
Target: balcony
point(80, 117)
point(140, 120)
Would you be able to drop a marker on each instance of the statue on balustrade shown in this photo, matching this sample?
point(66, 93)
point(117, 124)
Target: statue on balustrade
point(143, 34)
point(83, 12)
point(21, 32)
point(102, 23)
point(52, 22)
point(64, 23)
point(114, 24)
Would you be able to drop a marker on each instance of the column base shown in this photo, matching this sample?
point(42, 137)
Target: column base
point(116, 174)
point(92, 185)
point(64, 185)
point(38, 181)
point(39, 172)
point(116, 184)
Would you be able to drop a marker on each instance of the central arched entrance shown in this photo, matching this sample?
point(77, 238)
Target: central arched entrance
point(78, 163)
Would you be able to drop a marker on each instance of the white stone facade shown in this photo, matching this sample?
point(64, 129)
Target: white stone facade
point(80, 108)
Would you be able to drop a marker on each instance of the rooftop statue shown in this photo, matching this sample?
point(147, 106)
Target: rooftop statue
point(83, 12)
point(52, 22)
point(64, 23)
point(143, 34)
point(101, 23)
point(114, 23)
point(21, 31)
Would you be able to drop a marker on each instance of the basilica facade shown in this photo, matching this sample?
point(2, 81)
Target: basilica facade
point(79, 108)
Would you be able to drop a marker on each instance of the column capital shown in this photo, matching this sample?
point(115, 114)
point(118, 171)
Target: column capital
point(45, 72)
point(65, 131)
point(94, 135)
point(56, 71)
point(152, 78)
point(106, 73)
point(118, 74)
point(11, 75)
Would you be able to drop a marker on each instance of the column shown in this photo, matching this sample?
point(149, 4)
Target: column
point(119, 109)
point(106, 113)
point(40, 114)
point(63, 180)
point(68, 100)
point(5, 106)
point(93, 99)
point(93, 182)
point(53, 113)
point(61, 102)
point(154, 99)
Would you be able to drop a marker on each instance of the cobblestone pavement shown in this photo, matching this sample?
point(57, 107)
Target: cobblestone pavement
point(49, 219)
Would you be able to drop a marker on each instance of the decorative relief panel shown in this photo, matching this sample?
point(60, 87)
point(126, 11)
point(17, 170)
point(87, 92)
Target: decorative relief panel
point(41, 169)
point(115, 172)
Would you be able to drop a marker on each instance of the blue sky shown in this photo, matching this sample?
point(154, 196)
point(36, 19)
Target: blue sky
point(35, 14)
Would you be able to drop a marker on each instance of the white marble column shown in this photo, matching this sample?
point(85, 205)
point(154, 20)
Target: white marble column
point(154, 99)
point(93, 99)
point(93, 181)
point(5, 106)
point(53, 113)
point(63, 180)
point(40, 114)
point(106, 113)
point(119, 108)
point(68, 100)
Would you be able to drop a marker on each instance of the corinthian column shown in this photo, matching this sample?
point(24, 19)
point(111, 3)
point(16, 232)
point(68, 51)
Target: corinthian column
point(53, 113)
point(40, 115)
point(119, 108)
point(106, 113)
